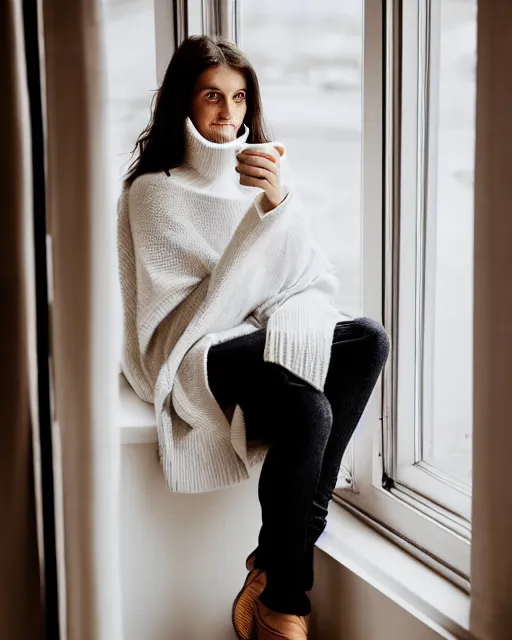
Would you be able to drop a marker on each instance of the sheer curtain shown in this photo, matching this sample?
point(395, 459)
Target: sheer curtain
point(491, 567)
point(82, 224)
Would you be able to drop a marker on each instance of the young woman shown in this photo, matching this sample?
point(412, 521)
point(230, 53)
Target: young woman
point(229, 327)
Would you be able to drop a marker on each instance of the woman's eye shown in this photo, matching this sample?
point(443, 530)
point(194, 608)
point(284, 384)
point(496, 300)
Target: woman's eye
point(240, 96)
point(212, 95)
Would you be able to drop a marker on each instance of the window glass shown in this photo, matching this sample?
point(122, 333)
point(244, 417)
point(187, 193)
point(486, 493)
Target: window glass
point(131, 82)
point(131, 65)
point(308, 59)
point(447, 432)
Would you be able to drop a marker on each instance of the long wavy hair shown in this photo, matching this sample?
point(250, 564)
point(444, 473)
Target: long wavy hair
point(161, 146)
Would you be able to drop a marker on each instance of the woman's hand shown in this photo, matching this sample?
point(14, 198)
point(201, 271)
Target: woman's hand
point(259, 169)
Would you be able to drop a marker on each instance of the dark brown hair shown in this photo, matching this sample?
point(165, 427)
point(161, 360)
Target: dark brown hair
point(161, 146)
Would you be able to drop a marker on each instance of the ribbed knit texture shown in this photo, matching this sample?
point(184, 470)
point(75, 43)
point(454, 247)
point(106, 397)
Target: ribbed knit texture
point(200, 263)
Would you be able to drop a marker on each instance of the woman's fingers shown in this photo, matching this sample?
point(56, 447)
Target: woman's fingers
point(256, 169)
point(258, 160)
point(256, 172)
point(252, 153)
point(249, 181)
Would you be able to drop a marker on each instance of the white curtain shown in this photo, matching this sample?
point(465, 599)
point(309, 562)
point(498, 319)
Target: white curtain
point(82, 227)
point(491, 571)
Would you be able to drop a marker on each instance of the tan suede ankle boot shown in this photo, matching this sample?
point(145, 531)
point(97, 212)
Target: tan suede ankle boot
point(242, 614)
point(273, 625)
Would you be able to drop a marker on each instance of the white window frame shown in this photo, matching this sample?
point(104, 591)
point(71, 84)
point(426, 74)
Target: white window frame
point(420, 104)
point(437, 536)
point(174, 21)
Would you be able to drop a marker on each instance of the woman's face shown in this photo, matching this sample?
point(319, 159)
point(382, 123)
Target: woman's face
point(219, 103)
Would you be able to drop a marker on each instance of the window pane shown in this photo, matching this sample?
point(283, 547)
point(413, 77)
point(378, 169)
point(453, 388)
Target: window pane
point(131, 64)
point(448, 431)
point(433, 310)
point(308, 59)
point(131, 81)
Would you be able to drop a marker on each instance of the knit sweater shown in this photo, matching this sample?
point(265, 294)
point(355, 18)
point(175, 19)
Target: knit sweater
point(200, 263)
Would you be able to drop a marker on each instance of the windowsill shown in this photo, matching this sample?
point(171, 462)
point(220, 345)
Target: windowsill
point(136, 418)
point(411, 584)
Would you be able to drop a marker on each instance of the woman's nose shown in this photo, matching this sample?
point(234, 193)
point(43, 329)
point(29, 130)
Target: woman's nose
point(226, 110)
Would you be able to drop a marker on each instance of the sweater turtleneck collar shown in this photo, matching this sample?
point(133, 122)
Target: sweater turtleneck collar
point(211, 162)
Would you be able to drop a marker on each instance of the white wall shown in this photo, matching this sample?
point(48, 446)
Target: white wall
point(182, 555)
point(183, 560)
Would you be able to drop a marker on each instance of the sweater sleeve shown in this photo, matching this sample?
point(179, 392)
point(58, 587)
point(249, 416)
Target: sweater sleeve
point(300, 332)
point(300, 317)
point(238, 278)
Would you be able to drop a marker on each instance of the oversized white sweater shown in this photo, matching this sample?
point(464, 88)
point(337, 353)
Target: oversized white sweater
point(200, 263)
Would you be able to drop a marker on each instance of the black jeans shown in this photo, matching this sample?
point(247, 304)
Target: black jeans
point(308, 432)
